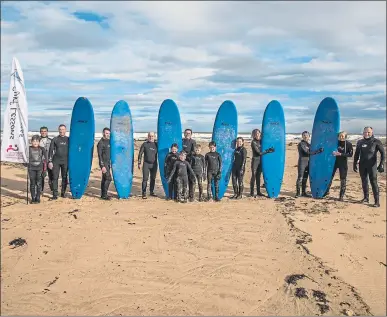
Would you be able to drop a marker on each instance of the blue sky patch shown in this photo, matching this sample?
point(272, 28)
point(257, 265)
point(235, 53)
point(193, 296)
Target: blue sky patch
point(92, 17)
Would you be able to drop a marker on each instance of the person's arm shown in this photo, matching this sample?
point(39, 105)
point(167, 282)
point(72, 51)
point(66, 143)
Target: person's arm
point(44, 158)
point(193, 147)
point(206, 163)
point(256, 148)
point(244, 154)
point(170, 177)
point(356, 157)
point(380, 148)
point(349, 150)
point(203, 168)
point(100, 150)
point(191, 172)
point(166, 164)
point(51, 150)
point(140, 153)
point(220, 163)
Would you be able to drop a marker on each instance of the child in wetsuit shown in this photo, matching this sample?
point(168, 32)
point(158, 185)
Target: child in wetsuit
point(36, 166)
point(181, 169)
point(238, 168)
point(198, 165)
point(169, 162)
point(213, 167)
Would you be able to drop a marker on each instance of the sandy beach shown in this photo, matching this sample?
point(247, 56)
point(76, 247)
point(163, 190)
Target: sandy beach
point(259, 256)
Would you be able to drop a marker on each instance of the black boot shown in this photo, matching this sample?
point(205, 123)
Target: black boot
point(298, 191)
point(236, 193)
point(343, 187)
point(200, 192)
point(375, 191)
point(37, 197)
point(192, 193)
point(217, 193)
point(240, 192)
point(366, 198)
point(64, 186)
point(304, 194)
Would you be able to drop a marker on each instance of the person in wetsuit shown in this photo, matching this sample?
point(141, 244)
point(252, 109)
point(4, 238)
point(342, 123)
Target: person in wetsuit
point(344, 150)
point(180, 172)
point(149, 150)
point(366, 154)
point(103, 149)
point(36, 166)
point(304, 153)
point(256, 163)
point(45, 142)
point(238, 168)
point(189, 148)
point(169, 162)
point(198, 165)
point(214, 170)
point(58, 160)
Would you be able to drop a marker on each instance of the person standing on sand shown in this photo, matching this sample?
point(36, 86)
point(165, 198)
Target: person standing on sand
point(303, 163)
point(214, 170)
point(256, 167)
point(149, 150)
point(169, 162)
point(189, 148)
point(238, 168)
point(366, 155)
point(103, 148)
point(58, 160)
point(45, 142)
point(344, 150)
point(36, 166)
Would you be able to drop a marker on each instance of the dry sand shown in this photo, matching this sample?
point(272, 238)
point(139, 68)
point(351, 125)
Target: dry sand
point(246, 257)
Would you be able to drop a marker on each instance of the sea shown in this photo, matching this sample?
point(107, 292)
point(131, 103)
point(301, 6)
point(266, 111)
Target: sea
point(204, 136)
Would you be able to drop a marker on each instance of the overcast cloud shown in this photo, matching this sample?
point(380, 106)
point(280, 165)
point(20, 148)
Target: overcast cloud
point(199, 54)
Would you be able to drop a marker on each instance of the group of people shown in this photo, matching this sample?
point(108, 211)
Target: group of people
point(186, 167)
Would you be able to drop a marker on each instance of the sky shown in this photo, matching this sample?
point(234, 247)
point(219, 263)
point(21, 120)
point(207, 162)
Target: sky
point(199, 54)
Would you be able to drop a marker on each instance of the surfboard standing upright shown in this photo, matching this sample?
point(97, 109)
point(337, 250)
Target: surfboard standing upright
point(169, 131)
point(81, 145)
point(326, 127)
point(273, 135)
point(122, 148)
point(224, 134)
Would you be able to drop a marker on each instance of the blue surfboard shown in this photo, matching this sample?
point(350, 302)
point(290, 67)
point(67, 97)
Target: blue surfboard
point(122, 148)
point(273, 135)
point(169, 131)
point(326, 127)
point(224, 134)
point(81, 145)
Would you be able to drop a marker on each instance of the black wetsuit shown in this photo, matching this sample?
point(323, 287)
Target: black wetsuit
point(238, 170)
point(366, 150)
point(103, 148)
point(256, 166)
point(341, 163)
point(180, 172)
point(213, 167)
point(45, 143)
point(198, 165)
point(58, 155)
point(169, 162)
point(189, 148)
point(149, 150)
point(36, 165)
point(303, 165)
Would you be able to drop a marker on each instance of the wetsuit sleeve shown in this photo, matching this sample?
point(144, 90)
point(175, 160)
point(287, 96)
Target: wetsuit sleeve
point(220, 162)
point(172, 172)
point(190, 170)
point(166, 164)
point(204, 165)
point(44, 158)
point(140, 153)
point(206, 162)
point(379, 147)
point(99, 150)
point(193, 147)
point(357, 154)
point(244, 151)
point(256, 148)
point(51, 150)
point(349, 151)
point(305, 149)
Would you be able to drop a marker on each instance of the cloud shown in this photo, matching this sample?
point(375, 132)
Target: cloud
point(199, 54)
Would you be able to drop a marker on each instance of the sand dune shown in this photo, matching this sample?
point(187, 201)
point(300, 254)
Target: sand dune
point(153, 257)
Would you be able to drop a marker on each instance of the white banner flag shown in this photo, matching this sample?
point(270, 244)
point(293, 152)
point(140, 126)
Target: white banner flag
point(14, 144)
